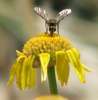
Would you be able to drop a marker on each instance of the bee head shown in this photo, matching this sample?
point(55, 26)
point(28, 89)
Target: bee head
point(52, 23)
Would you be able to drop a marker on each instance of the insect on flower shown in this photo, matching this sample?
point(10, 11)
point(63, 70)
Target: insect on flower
point(52, 24)
point(51, 53)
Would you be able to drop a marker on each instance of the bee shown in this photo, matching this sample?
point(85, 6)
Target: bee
point(52, 25)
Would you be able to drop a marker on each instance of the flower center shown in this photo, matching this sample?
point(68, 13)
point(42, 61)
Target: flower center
point(45, 43)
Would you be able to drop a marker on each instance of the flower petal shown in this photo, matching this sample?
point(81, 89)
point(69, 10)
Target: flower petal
point(31, 73)
point(77, 54)
point(86, 68)
point(20, 55)
point(44, 59)
point(32, 78)
point(19, 58)
point(62, 67)
point(26, 69)
point(12, 74)
point(18, 73)
point(23, 74)
point(76, 64)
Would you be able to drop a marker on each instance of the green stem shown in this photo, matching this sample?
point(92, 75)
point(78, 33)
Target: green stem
point(52, 80)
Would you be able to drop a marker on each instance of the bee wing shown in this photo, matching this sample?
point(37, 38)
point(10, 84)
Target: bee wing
point(62, 14)
point(41, 12)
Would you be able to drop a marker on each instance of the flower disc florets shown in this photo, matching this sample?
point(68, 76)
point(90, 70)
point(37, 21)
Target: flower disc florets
point(46, 44)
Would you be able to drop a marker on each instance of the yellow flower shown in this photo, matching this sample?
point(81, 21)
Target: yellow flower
point(50, 97)
point(46, 51)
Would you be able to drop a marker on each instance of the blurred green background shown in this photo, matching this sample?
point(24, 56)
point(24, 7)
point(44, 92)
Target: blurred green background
point(18, 23)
